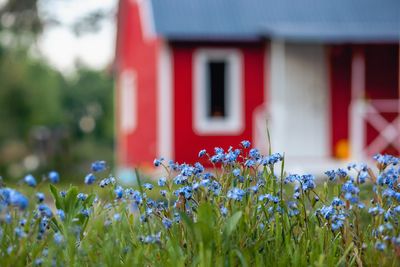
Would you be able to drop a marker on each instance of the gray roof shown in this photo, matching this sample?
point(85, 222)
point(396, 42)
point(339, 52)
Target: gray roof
point(301, 20)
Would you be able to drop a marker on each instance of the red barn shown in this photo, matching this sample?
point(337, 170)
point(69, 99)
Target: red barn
point(203, 73)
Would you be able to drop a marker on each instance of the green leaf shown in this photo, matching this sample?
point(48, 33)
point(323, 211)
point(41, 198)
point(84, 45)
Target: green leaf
point(89, 200)
point(57, 199)
point(71, 199)
point(231, 223)
point(242, 259)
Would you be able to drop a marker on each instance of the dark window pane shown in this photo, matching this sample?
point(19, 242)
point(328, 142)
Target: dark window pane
point(216, 88)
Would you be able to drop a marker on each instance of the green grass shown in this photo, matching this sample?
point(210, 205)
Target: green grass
point(254, 232)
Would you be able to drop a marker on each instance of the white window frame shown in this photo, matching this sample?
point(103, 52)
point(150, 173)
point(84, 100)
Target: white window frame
point(233, 122)
point(128, 101)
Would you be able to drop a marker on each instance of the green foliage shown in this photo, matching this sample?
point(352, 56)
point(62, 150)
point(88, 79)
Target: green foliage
point(42, 112)
point(252, 231)
point(48, 120)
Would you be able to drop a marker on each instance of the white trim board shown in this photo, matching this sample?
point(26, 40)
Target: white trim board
point(165, 105)
point(128, 101)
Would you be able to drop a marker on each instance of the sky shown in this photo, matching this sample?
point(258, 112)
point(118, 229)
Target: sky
point(62, 48)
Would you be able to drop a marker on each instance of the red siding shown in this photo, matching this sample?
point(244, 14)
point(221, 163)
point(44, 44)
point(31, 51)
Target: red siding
point(381, 82)
point(340, 84)
point(186, 142)
point(139, 54)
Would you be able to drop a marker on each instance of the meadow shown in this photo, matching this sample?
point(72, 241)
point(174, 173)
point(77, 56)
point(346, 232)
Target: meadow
point(245, 211)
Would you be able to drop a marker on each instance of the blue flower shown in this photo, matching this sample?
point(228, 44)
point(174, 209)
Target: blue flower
point(231, 156)
point(307, 182)
point(389, 177)
point(217, 158)
point(148, 186)
point(135, 195)
point(224, 211)
point(187, 170)
point(219, 155)
point(386, 159)
point(337, 202)
point(117, 217)
point(167, 223)
point(22, 222)
point(254, 153)
point(202, 153)
point(61, 214)
point(236, 194)
point(236, 172)
point(186, 191)
point(14, 198)
point(19, 232)
point(172, 165)
point(90, 178)
point(380, 246)
point(331, 175)
point(58, 238)
point(293, 212)
point(162, 181)
point(253, 189)
point(195, 186)
point(177, 217)
point(151, 239)
point(264, 197)
point(377, 210)
point(198, 168)
point(337, 224)
point(163, 193)
point(54, 177)
point(272, 159)
point(292, 178)
point(268, 197)
point(82, 196)
point(326, 211)
point(341, 173)
point(350, 190)
point(38, 262)
point(397, 209)
point(85, 212)
point(249, 163)
point(107, 181)
point(45, 211)
point(157, 162)
point(30, 180)
point(218, 150)
point(180, 179)
point(215, 187)
point(363, 176)
point(245, 143)
point(99, 166)
point(8, 218)
point(119, 192)
point(40, 197)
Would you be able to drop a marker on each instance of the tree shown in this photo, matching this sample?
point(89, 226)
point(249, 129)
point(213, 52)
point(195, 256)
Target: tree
point(48, 121)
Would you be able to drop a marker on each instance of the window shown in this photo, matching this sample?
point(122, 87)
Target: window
point(218, 100)
point(216, 89)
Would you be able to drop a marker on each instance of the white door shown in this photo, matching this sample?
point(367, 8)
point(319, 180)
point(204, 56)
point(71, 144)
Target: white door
point(298, 100)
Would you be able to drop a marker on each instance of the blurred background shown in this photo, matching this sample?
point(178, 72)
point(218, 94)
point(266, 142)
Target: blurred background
point(187, 75)
point(56, 86)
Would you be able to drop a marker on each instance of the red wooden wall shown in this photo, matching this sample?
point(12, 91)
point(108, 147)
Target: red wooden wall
point(186, 142)
point(139, 54)
point(381, 82)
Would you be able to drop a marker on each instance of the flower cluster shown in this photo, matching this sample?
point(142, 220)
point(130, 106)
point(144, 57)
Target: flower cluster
point(241, 203)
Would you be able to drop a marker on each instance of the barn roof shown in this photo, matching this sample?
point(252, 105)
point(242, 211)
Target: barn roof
point(301, 20)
